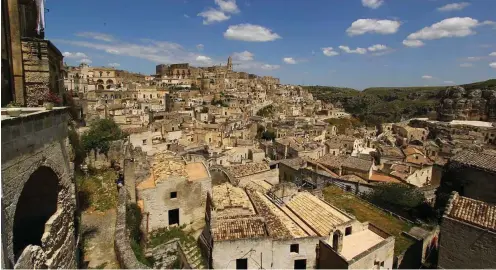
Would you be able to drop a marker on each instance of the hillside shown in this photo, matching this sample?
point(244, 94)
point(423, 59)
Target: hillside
point(389, 104)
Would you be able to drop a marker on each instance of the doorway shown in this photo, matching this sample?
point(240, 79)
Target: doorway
point(300, 264)
point(174, 217)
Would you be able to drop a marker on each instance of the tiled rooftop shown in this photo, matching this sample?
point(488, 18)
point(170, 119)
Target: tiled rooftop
point(473, 211)
point(319, 215)
point(230, 201)
point(247, 169)
point(295, 163)
point(379, 177)
point(164, 166)
point(345, 161)
point(279, 225)
point(483, 161)
point(238, 229)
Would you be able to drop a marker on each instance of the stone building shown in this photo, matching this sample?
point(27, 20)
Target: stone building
point(472, 175)
point(175, 193)
point(250, 228)
point(32, 64)
point(39, 222)
point(468, 234)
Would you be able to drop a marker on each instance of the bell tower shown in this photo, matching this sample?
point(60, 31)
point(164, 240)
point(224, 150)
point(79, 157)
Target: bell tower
point(229, 64)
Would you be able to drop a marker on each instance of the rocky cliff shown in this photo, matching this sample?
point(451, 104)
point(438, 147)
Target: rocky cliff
point(458, 103)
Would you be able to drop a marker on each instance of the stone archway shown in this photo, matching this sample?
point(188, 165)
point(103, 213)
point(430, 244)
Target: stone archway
point(36, 204)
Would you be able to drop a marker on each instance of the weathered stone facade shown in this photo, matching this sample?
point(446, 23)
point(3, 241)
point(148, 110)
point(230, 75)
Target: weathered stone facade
point(39, 198)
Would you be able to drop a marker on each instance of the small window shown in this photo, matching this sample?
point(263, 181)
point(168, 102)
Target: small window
point(173, 194)
point(241, 263)
point(382, 264)
point(347, 231)
point(294, 248)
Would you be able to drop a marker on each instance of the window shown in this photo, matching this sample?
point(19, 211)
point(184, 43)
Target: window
point(300, 264)
point(347, 231)
point(241, 263)
point(173, 194)
point(382, 264)
point(174, 216)
point(294, 248)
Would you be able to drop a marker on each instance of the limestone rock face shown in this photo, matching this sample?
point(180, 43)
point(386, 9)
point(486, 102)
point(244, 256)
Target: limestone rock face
point(458, 103)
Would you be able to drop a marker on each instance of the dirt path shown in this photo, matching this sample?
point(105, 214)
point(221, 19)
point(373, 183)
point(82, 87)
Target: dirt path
point(98, 237)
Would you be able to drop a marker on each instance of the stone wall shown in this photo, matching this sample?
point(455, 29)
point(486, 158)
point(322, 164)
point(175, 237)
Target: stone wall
point(465, 246)
point(32, 142)
point(122, 244)
point(42, 69)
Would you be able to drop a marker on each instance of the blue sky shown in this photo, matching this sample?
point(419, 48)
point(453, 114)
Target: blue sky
point(352, 43)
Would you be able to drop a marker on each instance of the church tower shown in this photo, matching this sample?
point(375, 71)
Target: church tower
point(229, 64)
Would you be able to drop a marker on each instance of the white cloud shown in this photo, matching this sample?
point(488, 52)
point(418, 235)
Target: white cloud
point(493, 65)
point(413, 43)
point(200, 47)
point(114, 64)
point(373, 4)
point(362, 26)
point(377, 47)
point(152, 50)
point(250, 32)
point(329, 51)
point(204, 59)
point(243, 56)
point(492, 54)
point(347, 49)
point(221, 14)
point(112, 51)
point(96, 35)
point(85, 60)
point(474, 58)
point(427, 77)
point(452, 27)
point(270, 67)
point(449, 82)
point(466, 65)
point(289, 60)
point(212, 16)
point(454, 6)
point(186, 16)
point(228, 6)
point(74, 55)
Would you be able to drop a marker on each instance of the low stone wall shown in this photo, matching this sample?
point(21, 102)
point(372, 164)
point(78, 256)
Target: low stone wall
point(166, 254)
point(122, 244)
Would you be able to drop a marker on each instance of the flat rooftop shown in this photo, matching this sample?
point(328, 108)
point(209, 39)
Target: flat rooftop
point(196, 171)
point(356, 243)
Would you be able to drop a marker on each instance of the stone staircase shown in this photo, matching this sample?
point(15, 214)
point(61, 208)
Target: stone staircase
point(193, 255)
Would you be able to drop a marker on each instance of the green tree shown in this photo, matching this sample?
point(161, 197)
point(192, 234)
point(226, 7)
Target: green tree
point(268, 135)
point(100, 134)
point(396, 196)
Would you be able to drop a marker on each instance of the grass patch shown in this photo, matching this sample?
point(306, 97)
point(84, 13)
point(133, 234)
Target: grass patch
point(164, 235)
point(365, 212)
point(98, 190)
point(140, 255)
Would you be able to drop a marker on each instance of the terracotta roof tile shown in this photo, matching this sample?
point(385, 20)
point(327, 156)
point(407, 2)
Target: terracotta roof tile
point(483, 161)
point(238, 229)
point(473, 211)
